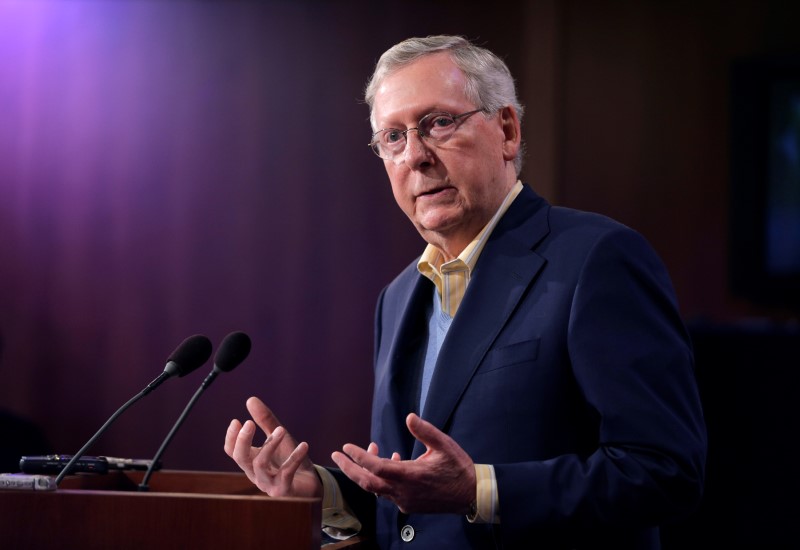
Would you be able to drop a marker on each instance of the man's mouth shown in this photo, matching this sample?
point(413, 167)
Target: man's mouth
point(434, 191)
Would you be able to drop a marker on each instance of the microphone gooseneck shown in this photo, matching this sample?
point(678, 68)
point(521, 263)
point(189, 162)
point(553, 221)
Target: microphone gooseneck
point(187, 357)
point(233, 350)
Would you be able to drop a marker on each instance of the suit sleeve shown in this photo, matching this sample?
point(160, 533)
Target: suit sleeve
point(631, 358)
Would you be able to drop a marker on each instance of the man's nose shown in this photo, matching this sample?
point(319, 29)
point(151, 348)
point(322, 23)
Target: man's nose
point(416, 152)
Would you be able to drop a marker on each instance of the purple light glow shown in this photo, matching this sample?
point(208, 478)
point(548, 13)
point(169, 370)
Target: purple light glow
point(156, 181)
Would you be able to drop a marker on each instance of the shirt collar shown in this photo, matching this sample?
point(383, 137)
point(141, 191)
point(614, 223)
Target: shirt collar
point(431, 263)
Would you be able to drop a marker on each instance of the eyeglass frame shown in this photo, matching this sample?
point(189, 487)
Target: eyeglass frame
point(456, 118)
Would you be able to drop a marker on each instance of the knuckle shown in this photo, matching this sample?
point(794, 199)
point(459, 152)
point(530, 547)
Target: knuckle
point(261, 461)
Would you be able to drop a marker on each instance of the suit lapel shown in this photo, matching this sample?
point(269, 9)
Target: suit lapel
point(506, 268)
point(401, 377)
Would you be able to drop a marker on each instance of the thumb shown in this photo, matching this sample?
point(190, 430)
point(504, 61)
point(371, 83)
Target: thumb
point(428, 434)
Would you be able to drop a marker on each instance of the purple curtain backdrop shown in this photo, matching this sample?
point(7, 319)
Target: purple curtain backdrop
point(172, 168)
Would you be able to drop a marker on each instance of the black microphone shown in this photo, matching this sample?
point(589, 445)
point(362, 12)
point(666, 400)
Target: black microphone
point(187, 357)
point(233, 350)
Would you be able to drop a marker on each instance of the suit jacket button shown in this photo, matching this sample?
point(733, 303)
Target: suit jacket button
point(407, 533)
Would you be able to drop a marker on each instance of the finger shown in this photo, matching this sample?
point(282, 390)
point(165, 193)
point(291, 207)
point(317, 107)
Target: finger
point(293, 462)
point(277, 456)
point(373, 449)
point(395, 456)
point(263, 461)
point(361, 456)
point(230, 436)
point(275, 439)
point(363, 478)
point(386, 470)
point(262, 415)
point(243, 447)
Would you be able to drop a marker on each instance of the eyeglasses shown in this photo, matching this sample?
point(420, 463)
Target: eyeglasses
point(390, 143)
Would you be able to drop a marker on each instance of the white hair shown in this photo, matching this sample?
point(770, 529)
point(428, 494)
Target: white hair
point(489, 84)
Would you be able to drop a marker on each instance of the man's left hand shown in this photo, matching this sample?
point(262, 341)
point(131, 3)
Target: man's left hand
point(442, 480)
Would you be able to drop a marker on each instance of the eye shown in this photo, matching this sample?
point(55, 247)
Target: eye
point(392, 136)
point(441, 121)
point(438, 126)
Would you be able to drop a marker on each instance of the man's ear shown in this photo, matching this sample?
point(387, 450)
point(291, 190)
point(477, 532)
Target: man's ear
point(512, 133)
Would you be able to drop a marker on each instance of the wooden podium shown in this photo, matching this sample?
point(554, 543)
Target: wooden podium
point(182, 509)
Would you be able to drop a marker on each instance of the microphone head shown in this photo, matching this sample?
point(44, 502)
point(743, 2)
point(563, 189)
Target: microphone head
point(190, 355)
point(234, 349)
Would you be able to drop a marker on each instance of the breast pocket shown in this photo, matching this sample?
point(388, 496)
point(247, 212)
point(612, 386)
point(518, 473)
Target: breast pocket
point(511, 355)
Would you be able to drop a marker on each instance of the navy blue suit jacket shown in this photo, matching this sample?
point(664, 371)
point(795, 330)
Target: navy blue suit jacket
point(568, 368)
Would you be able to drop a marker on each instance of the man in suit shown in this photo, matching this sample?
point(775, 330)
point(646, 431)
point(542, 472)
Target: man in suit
point(534, 382)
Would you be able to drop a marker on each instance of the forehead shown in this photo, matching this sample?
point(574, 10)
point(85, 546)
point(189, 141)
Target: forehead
point(431, 83)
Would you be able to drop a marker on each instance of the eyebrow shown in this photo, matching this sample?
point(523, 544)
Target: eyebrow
point(418, 118)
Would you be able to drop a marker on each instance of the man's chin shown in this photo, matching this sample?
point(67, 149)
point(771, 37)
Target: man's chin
point(438, 226)
point(438, 232)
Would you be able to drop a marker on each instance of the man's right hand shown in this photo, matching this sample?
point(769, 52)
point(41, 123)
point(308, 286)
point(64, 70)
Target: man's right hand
point(280, 467)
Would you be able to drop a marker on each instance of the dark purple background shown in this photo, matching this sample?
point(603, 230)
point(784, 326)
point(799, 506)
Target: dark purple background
point(172, 168)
